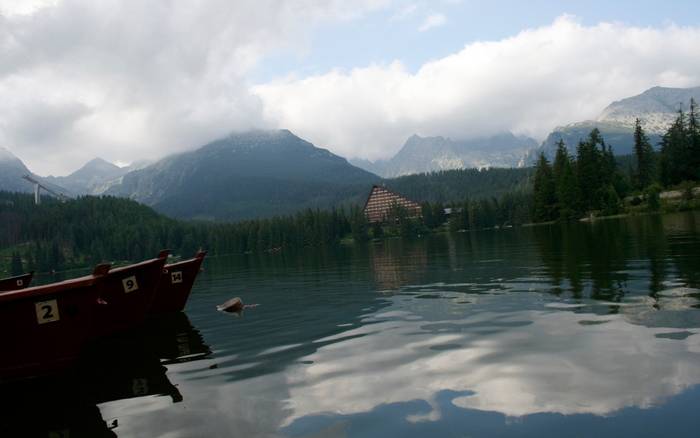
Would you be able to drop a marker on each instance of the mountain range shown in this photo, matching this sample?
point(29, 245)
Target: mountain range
point(266, 173)
point(248, 175)
point(12, 169)
point(90, 178)
point(656, 107)
point(241, 176)
point(429, 154)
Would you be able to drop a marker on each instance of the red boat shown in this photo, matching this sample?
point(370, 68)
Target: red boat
point(176, 284)
point(46, 327)
point(126, 295)
point(15, 283)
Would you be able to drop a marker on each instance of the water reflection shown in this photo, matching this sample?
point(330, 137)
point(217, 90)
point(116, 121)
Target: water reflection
point(516, 363)
point(609, 260)
point(127, 366)
point(586, 329)
point(397, 262)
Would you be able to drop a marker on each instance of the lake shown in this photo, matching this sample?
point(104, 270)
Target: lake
point(579, 330)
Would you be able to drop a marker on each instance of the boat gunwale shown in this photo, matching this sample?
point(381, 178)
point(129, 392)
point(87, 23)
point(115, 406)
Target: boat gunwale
point(51, 288)
point(135, 265)
point(200, 256)
point(73, 283)
point(18, 277)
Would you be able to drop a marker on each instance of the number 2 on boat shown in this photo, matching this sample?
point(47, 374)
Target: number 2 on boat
point(46, 311)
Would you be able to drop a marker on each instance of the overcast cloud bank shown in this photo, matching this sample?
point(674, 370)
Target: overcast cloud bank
point(528, 84)
point(139, 80)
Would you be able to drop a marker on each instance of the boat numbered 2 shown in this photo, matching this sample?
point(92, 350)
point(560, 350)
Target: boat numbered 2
point(47, 311)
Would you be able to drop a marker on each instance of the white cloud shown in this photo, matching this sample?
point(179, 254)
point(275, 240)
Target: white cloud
point(529, 83)
point(432, 21)
point(529, 377)
point(129, 80)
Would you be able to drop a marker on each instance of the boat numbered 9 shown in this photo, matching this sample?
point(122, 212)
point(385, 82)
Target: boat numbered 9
point(130, 284)
point(46, 311)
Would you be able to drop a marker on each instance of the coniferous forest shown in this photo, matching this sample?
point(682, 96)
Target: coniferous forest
point(85, 231)
point(592, 182)
point(82, 232)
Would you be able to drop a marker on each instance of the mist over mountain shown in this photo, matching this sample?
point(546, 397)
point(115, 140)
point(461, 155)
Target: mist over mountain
point(657, 107)
point(247, 175)
point(429, 154)
point(264, 173)
point(12, 169)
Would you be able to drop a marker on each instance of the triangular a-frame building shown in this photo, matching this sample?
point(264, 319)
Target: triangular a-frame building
point(381, 200)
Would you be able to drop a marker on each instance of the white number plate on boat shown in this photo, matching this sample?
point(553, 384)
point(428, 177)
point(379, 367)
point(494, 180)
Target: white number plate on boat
point(46, 311)
point(130, 284)
point(176, 277)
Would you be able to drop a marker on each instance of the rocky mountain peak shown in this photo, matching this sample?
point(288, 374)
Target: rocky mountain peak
point(657, 107)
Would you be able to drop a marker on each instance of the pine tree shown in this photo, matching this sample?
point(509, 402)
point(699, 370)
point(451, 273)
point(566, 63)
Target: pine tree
point(693, 142)
point(560, 157)
point(673, 165)
point(359, 225)
point(610, 201)
point(565, 182)
point(608, 165)
point(588, 169)
point(544, 191)
point(644, 153)
point(439, 216)
point(428, 218)
point(16, 267)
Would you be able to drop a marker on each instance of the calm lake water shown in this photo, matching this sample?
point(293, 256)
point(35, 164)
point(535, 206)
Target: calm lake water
point(585, 330)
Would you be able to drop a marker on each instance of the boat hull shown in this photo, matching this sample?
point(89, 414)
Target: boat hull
point(16, 283)
point(126, 296)
point(45, 328)
point(176, 284)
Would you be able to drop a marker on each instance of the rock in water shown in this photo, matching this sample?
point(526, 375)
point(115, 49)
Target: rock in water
point(232, 305)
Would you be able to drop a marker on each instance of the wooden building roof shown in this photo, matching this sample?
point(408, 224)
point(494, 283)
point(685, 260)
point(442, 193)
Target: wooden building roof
point(381, 200)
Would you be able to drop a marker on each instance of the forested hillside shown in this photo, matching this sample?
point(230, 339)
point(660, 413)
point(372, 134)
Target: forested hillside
point(89, 230)
point(591, 182)
point(245, 176)
point(457, 185)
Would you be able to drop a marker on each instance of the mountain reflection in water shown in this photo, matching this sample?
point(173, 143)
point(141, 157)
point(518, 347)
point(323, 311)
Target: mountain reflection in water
point(571, 330)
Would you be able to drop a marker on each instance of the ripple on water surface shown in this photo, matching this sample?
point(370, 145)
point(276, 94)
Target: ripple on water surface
point(589, 330)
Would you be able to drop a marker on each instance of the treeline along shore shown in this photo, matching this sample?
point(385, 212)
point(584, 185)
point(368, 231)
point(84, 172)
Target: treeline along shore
point(592, 182)
point(81, 232)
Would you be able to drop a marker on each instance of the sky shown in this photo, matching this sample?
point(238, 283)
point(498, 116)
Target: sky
point(129, 80)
